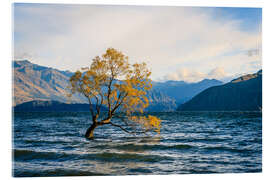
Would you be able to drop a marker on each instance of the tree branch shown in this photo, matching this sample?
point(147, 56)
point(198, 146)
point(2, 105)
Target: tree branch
point(91, 106)
point(130, 132)
point(101, 101)
point(116, 125)
point(109, 94)
point(114, 109)
point(89, 100)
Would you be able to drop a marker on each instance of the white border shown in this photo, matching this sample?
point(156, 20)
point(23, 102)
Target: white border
point(223, 3)
point(5, 109)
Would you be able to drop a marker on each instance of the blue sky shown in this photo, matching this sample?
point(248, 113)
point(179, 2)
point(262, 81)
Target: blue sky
point(178, 43)
point(251, 18)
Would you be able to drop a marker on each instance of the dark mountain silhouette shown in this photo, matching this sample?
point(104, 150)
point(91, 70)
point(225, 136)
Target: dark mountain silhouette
point(51, 106)
point(241, 94)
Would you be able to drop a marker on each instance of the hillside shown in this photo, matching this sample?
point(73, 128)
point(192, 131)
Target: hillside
point(241, 94)
point(33, 82)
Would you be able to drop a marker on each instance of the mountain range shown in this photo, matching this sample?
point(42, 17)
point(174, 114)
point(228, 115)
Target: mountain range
point(32, 82)
point(182, 91)
point(241, 94)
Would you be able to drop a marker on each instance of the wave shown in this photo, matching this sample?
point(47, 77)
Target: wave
point(26, 155)
point(153, 147)
point(144, 147)
point(29, 155)
point(127, 157)
point(231, 150)
point(52, 142)
point(55, 173)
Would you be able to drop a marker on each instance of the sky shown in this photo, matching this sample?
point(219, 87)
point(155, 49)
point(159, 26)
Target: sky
point(177, 43)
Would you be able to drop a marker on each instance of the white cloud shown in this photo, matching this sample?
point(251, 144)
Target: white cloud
point(167, 38)
point(217, 73)
point(189, 75)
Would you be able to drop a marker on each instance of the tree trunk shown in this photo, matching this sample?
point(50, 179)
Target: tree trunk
point(90, 131)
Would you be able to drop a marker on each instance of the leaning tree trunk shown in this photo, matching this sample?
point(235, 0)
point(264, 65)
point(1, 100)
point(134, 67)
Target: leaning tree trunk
point(90, 131)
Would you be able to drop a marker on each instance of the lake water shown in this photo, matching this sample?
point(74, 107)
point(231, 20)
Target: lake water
point(53, 144)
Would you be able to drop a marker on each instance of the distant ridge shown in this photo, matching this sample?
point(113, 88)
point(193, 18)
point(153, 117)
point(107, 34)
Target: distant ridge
point(51, 106)
point(241, 94)
point(182, 91)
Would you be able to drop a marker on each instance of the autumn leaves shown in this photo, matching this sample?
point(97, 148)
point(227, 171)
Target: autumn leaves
point(112, 82)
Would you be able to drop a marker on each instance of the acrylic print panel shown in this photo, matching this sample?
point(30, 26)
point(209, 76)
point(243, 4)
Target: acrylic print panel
point(163, 90)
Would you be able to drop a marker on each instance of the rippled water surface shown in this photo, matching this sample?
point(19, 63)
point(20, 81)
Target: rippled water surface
point(53, 144)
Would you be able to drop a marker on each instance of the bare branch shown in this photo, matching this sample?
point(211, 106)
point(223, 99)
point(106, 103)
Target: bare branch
point(91, 106)
point(116, 125)
point(101, 101)
point(130, 132)
point(108, 96)
point(114, 109)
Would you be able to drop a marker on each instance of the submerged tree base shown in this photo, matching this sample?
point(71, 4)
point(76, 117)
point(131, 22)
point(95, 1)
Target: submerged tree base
point(90, 132)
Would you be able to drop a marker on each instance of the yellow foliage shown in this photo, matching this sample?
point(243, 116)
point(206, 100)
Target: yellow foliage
point(111, 81)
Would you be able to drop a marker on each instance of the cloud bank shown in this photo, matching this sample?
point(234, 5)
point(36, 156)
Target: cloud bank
point(178, 43)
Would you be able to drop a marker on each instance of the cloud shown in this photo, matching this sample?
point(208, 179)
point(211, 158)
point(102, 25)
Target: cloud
point(189, 75)
point(217, 73)
point(23, 56)
point(167, 38)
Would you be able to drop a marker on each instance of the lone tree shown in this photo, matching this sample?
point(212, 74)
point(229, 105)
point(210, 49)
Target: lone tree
point(113, 83)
